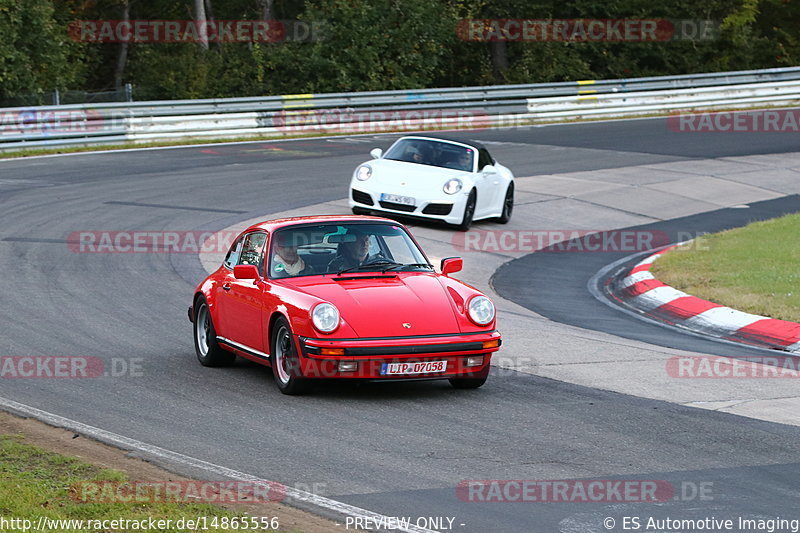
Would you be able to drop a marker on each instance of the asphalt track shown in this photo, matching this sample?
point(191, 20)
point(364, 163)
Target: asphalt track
point(556, 281)
point(398, 450)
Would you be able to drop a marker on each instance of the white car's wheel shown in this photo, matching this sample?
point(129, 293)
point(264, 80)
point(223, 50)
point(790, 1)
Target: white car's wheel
point(508, 205)
point(469, 211)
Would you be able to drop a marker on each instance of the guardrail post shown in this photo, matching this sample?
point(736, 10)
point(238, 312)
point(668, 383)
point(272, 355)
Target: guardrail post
point(128, 92)
point(56, 98)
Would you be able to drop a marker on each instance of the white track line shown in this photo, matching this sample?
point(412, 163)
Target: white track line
point(102, 435)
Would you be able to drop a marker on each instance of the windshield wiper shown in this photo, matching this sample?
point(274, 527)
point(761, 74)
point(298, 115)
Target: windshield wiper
point(368, 265)
point(414, 265)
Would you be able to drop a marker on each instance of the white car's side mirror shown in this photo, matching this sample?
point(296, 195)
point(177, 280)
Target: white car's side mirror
point(376, 153)
point(489, 169)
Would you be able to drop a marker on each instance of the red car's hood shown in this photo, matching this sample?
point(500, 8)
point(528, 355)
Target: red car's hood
point(380, 307)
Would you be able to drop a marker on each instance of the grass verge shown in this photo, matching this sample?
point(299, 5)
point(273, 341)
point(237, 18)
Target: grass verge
point(755, 269)
point(36, 483)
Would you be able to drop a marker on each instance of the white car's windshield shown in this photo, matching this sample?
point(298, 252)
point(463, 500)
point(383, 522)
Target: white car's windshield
point(433, 153)
point(336, 248)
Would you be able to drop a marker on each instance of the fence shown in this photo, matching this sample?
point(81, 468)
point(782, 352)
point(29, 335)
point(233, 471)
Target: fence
point(451, 108)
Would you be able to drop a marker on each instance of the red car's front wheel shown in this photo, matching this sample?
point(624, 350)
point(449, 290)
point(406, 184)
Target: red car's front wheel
point(285, 364)
point(209, 352)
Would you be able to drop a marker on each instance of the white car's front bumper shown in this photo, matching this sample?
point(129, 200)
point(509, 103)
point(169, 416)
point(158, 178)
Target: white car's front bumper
point(431, 208)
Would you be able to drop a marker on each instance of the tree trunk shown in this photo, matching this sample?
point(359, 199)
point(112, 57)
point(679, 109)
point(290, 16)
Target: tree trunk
point(200, 22)
point(266, 9)
point(211, 20)
point(497, 49)
point(122, 51)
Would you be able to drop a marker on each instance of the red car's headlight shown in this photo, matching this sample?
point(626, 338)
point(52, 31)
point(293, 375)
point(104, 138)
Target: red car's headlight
point(325, 317)
point(481, 310)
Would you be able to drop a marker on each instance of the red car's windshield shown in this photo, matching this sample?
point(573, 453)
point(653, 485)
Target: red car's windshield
point(338, 248)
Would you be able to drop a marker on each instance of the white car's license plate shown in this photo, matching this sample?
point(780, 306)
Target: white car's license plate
point(396, 198)
point(405, 369)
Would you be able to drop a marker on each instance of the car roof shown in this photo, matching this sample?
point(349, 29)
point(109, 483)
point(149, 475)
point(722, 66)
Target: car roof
point(278, 223)
point(470, 142)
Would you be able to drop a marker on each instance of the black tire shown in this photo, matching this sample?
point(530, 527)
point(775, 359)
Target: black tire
point(208, 351)
point(284, 359)
point(469, 211)
point(508, 205)
point(360, 211)
point(467, 383)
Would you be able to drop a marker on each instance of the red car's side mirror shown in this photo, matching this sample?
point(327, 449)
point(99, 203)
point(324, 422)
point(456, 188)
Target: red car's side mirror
point(246, 272)
point(451, 265)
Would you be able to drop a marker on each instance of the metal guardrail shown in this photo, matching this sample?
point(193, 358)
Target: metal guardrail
point(364, 112)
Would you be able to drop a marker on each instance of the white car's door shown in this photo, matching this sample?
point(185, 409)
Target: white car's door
point(488, 183)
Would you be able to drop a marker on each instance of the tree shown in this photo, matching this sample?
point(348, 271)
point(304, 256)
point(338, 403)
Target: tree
point(36, 53)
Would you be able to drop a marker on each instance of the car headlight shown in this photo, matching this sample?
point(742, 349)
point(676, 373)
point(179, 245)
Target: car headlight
point(452, 186)
point(363, 173)
point(325, 317)
point(481, 310)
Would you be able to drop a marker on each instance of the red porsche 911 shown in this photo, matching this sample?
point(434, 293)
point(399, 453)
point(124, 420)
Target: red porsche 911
point(342, 297)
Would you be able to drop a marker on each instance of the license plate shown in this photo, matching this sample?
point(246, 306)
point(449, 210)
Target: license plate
point(406, 369)
point(397, 199)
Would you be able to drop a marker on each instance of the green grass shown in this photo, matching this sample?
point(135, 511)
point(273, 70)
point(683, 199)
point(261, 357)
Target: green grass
point(755, 269)
point(35, 483)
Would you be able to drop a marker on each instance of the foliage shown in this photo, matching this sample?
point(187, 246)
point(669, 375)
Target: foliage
point(365, 45)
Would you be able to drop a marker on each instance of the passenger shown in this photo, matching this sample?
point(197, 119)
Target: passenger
point(413, 155)
point(286, 261)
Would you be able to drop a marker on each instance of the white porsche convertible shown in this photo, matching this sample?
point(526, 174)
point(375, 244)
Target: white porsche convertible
point(434, 178)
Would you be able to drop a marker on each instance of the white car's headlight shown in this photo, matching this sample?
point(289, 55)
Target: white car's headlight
point(325, 317)
point(452, 186)
point(363, 173)
point(481, 310)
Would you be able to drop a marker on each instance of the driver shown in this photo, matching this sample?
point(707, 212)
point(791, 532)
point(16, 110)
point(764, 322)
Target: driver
point(285, 259)
point(351, 254)
point(465, 160)
point(415, 155)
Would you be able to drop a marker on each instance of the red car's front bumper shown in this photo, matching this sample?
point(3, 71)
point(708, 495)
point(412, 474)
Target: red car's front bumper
point(461, 355)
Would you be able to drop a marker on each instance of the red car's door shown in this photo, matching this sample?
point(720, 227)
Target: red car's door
point(241, 300)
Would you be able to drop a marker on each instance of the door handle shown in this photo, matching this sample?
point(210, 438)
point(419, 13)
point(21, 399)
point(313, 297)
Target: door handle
point(226, 287)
